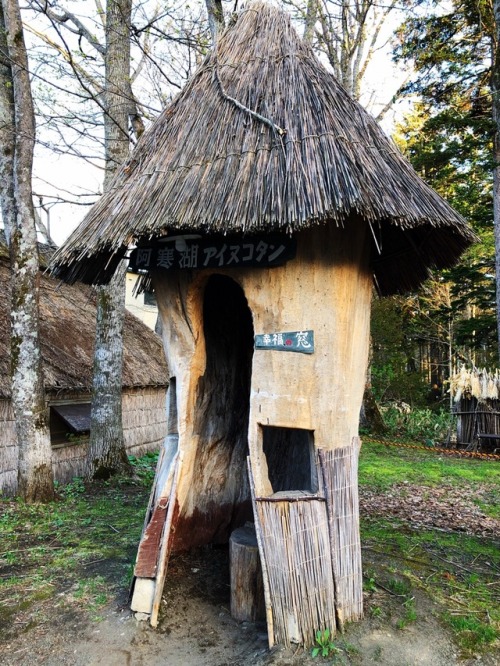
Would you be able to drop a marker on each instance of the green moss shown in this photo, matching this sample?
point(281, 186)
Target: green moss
point(15, 348)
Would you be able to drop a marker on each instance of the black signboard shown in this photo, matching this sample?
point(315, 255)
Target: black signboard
point(178, 252)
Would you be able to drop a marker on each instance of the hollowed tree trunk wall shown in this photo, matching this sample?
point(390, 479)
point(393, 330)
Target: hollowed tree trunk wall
point(209, 344)
point(290, 408)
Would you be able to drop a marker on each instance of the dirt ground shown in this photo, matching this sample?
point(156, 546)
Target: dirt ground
point(196, 629)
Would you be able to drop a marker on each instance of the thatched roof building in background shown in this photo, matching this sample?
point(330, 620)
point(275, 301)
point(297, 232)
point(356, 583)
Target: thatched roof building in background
point(67, 332)
point(264, 138)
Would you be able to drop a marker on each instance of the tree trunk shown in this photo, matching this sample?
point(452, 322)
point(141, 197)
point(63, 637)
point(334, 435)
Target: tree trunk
point(7, 135)
point(310, 20)
point(35, 476)
point(106, 453)
point(370, 416)
point(215, 18)
point(247, 587)
point(495, 90)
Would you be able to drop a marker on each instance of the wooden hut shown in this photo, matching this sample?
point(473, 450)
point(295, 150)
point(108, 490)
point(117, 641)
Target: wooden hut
point(67, 331)
point(263, 204)
point(476, 408)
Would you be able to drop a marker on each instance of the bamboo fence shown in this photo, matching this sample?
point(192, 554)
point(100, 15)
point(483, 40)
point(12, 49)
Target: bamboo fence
point(339, 469)
point(299, 568)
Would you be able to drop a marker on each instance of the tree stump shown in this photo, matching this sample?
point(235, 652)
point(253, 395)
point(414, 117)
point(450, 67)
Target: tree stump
point(247, 590)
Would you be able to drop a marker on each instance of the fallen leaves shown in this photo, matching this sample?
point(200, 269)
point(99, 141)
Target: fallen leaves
point(444, 507)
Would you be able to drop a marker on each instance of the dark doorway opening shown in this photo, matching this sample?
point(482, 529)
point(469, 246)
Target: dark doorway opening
point(228, 329)
point(220, 481)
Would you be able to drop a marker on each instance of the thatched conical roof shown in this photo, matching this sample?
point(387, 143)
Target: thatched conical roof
point(263, 138)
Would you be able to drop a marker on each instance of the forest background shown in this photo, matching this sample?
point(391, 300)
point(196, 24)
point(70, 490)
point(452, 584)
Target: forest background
point(432, 65)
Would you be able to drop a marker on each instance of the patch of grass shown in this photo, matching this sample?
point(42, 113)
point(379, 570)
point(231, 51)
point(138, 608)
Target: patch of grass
point(489, 502)
point(339, 651)
point(399, 587)
point(94, 593)
point(472, 632)
point(410, 613)
point(85, 542)
point(74, 489)
point(369, 584)
point(324, 644)
point(424, 425)
point(381, 466)
point(459, 572)
point(144, 467)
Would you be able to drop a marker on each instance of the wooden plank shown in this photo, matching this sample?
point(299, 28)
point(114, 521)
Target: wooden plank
point(291, 496)
point(147, 556)
point(149, 510)
point(76, 416)
point(166, 544)
point(154, 487)
point(265, 577)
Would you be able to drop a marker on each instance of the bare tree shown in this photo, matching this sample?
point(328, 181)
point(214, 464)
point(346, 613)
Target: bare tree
point(80, 52)
point(168, 41)
point(348, 33)
point(7, 134)
point(495, 89)
point(106, 453)
point(215, 18)
point(35, 476)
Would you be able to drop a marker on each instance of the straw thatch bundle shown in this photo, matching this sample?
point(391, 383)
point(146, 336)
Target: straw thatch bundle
point(475, 383)
point(263, 138)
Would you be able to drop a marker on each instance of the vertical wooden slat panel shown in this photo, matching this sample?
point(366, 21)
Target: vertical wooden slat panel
point(340, 477)
point(297, 553)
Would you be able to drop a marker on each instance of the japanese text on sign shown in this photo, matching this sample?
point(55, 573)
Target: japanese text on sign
point(214, 253)
point(296, 341)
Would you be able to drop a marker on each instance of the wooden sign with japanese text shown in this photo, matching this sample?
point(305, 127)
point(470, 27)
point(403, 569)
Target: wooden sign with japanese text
point(179, 252)
point(295, 341)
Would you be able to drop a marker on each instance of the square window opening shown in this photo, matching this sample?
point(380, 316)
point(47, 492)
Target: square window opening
point(69, 423)
point(290, 459)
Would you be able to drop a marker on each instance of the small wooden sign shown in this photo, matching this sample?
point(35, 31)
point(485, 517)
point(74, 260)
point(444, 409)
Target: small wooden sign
point(294, 341)
point(181, 252)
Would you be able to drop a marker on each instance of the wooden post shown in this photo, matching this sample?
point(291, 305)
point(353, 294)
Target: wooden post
point(247, 589)
point(265, 578)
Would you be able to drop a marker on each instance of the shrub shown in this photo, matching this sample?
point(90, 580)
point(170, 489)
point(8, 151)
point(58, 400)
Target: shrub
point(423, 425)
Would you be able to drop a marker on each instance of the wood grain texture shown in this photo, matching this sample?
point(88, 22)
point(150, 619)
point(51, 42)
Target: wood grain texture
point(247, 591)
